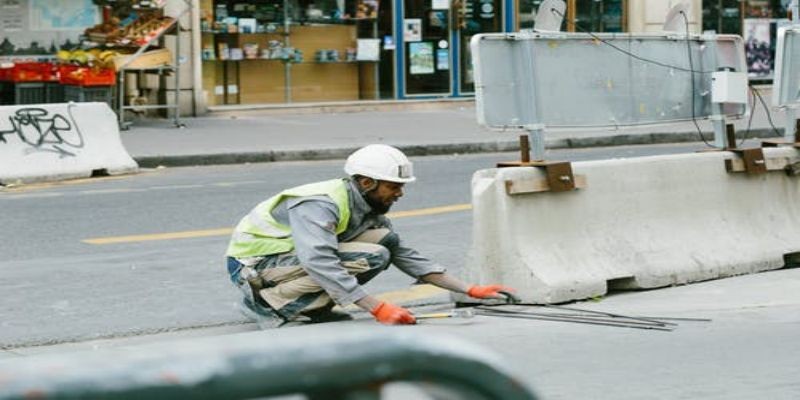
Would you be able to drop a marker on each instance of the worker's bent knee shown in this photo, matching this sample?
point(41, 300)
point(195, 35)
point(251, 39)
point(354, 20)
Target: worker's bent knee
point(376, 256)
point(390, 241)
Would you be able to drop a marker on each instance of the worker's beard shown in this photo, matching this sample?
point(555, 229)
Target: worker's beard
point(378, 207)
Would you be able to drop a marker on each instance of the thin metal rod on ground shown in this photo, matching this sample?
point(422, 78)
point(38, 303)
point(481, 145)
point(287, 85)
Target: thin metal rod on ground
point(577, 317)
point(591, 322)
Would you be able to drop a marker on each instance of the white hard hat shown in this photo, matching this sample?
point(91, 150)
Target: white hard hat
point(381, 162)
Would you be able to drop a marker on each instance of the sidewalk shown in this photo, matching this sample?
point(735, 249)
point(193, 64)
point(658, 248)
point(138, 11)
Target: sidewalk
point(427, 128)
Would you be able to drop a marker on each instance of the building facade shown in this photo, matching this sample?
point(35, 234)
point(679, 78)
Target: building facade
point(277, 52)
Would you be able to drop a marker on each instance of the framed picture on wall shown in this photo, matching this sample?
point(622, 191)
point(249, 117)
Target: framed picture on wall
point(420, 55)
point(412, 30)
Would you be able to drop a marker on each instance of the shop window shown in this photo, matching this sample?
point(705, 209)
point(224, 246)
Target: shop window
point(582, 15)
point(722, 16)
point(757, 21)
point(275, 51)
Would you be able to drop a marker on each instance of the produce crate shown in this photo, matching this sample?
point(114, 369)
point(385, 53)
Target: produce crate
point(54, 92)
point(84, 94)
point(6, 93)
point(6, 72)
point(29, 93)
point(150, 59)
point(49, 72)
point(85, 76)
point(29, 72)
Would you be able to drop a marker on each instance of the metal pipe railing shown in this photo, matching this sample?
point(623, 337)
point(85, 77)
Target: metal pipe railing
point(340, 363)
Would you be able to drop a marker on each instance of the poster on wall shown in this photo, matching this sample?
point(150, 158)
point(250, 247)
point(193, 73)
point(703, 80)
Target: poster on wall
point(442, 59)
point(11, 16)
point(420, 56)
point(757, 43)
point(54, 15)
point(368, 49)
point(41, 27)
point(440, 5)
point(412, 30)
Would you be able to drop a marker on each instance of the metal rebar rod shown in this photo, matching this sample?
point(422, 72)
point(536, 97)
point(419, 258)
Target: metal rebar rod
point(600, 312)
point(586, 317)
point(603, 323)
point(645, 319)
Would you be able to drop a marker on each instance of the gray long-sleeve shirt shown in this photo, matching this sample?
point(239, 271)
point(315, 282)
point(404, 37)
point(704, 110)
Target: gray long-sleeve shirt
point(313, 223)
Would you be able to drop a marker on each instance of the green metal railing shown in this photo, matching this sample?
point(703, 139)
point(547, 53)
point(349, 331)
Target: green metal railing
point(340, 363)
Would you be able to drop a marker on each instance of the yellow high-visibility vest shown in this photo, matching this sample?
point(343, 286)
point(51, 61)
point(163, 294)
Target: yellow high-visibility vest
point(259, 234)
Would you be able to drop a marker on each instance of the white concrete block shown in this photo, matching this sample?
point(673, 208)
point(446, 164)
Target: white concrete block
point(640, 222)
point(46, 142)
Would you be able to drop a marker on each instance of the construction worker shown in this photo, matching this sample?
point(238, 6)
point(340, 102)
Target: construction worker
point(305, 248)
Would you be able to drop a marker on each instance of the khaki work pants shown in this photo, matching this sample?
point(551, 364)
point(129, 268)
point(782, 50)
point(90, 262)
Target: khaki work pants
point(289, 290)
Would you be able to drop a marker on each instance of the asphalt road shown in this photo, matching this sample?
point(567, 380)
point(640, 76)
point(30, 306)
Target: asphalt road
point(56, 287)
point(64, 281)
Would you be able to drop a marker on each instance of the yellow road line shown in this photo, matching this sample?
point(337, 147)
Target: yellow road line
point(412, 294)
point(227, 231)
point(430, 211)
point(160, 236)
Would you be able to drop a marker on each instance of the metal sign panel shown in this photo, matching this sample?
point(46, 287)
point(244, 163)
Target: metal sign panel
point(786, 85)
point(531, 80)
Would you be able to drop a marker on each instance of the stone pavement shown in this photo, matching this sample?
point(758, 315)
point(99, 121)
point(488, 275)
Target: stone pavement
point(417, 127)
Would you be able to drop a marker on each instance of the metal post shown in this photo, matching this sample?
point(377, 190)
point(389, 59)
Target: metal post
point(120, 108)
point(287, 65)
point(718, 121)
point(789, 130)
point(731, 134)
point(177, 110)
point(537, 143)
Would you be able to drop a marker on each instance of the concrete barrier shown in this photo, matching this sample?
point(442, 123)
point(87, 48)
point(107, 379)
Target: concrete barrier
point(60, 141)
point(639, 223)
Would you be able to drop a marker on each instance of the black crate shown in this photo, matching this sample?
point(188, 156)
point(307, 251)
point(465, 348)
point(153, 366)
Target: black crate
point(54, 92)
point(83, 94)
point(29, 93)
point(6, 93)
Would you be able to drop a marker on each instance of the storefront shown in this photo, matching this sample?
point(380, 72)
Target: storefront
point(341, 50)
point(581, 15)
point(757, 21)
point(274, 52)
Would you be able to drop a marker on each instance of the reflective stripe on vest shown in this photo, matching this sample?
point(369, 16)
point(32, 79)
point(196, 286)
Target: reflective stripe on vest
point(259, 234)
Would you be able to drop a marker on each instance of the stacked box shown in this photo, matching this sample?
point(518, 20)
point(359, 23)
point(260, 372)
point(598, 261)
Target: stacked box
point(29, 93)
point(54, 92)
point(6, 93)
point(83, 94)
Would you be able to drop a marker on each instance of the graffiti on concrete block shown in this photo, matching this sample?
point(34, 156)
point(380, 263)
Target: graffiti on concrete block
point(44, 132)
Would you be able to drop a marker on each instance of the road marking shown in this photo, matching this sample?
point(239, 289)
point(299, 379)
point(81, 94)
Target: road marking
point(111, 191)
point(413, 294)
point(228, 231)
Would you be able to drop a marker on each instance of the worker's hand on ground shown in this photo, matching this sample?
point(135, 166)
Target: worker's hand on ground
point(489, 291)
point(390, 314)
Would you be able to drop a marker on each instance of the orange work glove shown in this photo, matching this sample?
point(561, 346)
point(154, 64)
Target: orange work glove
point(391, 314)
point(488, 291)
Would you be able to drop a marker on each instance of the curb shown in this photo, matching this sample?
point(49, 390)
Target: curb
point(434, 149)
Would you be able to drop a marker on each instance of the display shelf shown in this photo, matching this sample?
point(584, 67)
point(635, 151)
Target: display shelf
point(292, 27)
point(173, 70)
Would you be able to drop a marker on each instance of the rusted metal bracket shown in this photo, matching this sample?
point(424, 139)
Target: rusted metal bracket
point(559, 176)
point(777, 142)
point(750, 160)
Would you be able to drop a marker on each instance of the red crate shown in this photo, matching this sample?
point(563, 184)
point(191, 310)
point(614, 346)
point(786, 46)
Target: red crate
point(100, 77)
point(6, 72)
point(85, 76)
point(27, 72)
point(49, 72)
point(67, 75)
